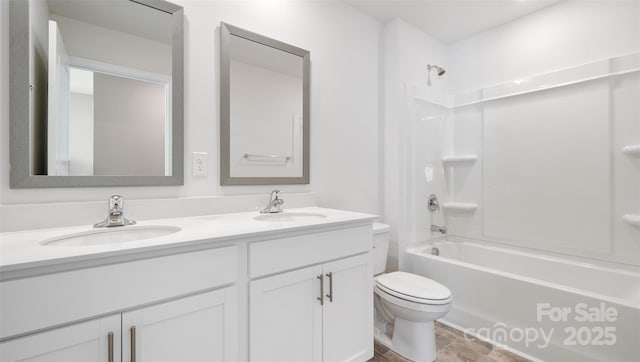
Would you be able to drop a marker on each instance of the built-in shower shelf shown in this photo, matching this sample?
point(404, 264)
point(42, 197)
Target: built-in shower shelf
point(449, 160)
point(460, 206)
point(631, 150)
point(632, 219)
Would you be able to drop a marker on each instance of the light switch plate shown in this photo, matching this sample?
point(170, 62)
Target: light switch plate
point(200, 166)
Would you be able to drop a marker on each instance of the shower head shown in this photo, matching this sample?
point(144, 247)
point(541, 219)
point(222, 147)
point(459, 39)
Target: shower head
point(439, 70)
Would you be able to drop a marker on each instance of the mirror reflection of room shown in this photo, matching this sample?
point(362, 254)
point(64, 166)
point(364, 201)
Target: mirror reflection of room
point(108, 81)
point(266, 88)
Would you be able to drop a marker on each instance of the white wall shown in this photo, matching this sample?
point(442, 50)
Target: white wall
point(344, 104)
point(344, 91)
point(563, 35)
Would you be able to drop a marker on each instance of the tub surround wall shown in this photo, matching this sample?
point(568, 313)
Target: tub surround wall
point(564, 190)
point(550, 175)
point(545, 174)
point(344, 88)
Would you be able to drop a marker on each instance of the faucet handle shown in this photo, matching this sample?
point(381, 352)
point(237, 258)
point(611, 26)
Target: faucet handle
point(115, 214)
point(116, 203)
point(274, 203)
point(432, 203)
point(276, 193)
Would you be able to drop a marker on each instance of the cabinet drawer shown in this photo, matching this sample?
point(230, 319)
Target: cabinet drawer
point(273, 256)
point(44, 301)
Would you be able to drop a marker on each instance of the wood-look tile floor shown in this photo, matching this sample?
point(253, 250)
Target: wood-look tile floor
point(453, 347)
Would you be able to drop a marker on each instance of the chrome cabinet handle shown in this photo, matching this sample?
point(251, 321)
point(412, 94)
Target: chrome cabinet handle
point(110, 347)
point(133, 343)
point(330, 295)
point(321, 298)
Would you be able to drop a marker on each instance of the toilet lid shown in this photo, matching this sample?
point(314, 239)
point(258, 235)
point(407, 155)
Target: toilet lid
point(413, 286)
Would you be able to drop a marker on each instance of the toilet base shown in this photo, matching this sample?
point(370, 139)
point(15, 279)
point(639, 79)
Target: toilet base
point(415, 341)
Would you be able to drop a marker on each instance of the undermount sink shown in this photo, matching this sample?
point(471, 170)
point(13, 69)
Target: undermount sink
point(116, 235)
point(289, 216)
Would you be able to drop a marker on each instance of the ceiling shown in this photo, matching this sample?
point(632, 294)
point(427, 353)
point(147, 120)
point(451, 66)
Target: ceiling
point(451, 20)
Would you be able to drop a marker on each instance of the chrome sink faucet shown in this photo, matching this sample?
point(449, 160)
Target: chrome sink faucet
point(274, 205)
point(115, 216)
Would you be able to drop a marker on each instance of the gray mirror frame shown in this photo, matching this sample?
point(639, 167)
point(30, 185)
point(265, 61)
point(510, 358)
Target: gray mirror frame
point(21, 176)
point(226, 31)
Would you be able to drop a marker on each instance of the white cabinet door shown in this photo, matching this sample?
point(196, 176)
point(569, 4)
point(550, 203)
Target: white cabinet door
point(202, 327)
point(348, 318)
point(285, 317)
point(81, 342)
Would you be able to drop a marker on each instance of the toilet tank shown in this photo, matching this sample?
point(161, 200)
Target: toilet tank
point(380, 247)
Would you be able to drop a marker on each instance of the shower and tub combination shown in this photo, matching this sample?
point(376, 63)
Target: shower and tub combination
point(538, 193)
point(519, 299)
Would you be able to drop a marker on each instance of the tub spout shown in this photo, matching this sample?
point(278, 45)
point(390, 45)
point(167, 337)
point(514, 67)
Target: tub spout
point(441, 229)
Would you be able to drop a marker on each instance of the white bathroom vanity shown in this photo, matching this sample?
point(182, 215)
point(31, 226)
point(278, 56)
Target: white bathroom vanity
point(234, 287)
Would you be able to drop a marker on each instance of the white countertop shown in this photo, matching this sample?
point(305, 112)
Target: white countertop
point(22, 250)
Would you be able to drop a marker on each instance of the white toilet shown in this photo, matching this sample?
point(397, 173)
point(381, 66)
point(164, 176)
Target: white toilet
point(405, 305)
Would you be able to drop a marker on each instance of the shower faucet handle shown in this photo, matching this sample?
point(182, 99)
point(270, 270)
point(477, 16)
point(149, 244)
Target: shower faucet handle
point(432, 203)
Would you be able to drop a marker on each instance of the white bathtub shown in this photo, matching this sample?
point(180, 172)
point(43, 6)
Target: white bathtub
point(536, 304)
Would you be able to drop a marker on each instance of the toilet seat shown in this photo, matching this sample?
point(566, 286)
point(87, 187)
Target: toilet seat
point(413, 288)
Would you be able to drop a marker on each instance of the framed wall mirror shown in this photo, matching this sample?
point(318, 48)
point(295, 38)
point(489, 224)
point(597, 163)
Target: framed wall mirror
point(264, 110)
point(96, 93)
